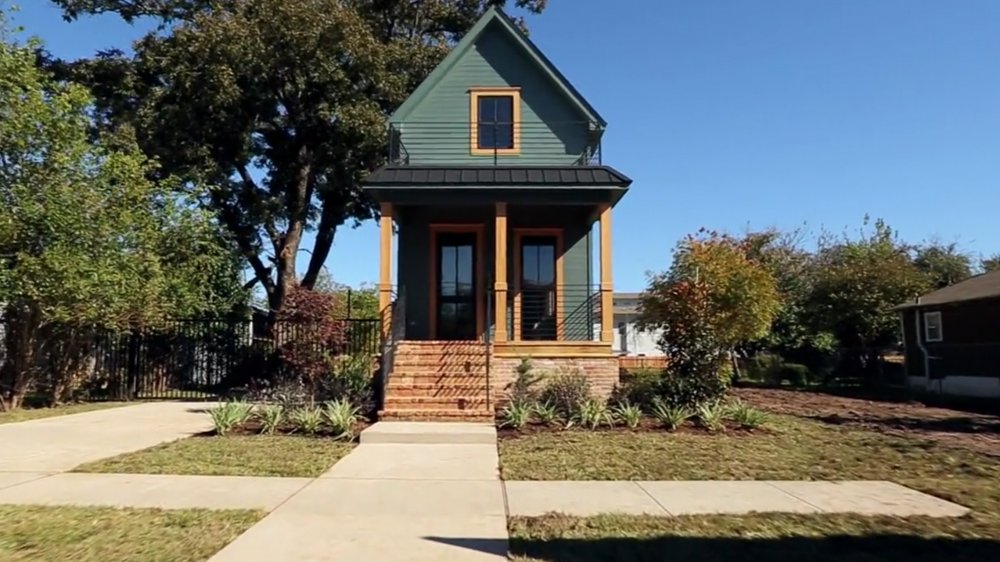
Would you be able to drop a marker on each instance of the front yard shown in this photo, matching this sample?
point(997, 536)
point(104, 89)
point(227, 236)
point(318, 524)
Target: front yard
point(231, 455)
point(796, 445)
point(100, 534)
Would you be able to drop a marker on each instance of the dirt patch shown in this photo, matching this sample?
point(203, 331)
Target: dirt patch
point(976, 431)
point(645, 426)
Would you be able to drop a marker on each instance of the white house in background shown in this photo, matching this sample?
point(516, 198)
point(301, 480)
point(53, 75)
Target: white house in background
point(629, 340)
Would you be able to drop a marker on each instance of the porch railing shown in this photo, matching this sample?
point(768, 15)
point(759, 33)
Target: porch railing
point(554, 313)
point(567, 143)
point(391, 338)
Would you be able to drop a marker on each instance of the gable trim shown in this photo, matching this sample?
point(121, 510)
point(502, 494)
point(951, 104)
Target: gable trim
point(497, 15)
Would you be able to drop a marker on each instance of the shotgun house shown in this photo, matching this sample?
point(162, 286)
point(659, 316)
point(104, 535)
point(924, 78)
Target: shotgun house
point(495, 230)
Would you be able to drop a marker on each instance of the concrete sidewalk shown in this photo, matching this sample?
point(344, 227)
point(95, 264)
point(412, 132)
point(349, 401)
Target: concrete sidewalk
point(61, 443)
point(392, 501)
point(723, 497)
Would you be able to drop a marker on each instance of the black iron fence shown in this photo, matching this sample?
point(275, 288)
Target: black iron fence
point(198, 359)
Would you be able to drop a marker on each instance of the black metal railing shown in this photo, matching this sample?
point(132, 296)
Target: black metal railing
point(196, 358)
point(554, 313)
point(576, 143)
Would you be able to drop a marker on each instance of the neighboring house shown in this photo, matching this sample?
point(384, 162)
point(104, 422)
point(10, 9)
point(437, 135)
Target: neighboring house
point(493, 187)
point(952, 338)
point(629, 339)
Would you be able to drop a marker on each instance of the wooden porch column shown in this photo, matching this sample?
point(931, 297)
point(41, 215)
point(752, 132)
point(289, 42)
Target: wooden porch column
point(500, 273)
point(607, 287)
point(385, 268)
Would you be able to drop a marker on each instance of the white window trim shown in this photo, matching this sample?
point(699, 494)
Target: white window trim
point(940, 325)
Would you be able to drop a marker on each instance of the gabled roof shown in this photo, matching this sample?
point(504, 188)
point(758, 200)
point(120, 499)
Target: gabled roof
point(982, 286)
point(497, 16)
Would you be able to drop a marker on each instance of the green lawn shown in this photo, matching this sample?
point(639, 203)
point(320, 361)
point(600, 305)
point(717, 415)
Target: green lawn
point(232, 455)
point(796, 449)
point(27, 414)
point(99, 534)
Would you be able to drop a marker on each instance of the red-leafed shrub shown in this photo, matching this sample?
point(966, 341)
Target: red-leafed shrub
point(310, 335)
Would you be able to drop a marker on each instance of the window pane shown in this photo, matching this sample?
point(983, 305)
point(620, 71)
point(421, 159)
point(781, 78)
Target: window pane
point(487, 109)
point(546, 265)
point(464, 270)
point(529, 265)
point(448, 259)
point(495, 122)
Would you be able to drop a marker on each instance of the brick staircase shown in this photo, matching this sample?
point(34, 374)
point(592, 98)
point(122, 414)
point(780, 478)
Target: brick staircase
point(437, 381)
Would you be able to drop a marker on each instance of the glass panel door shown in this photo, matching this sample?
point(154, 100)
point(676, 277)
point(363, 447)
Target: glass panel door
point(538, 288)
point(456, 286)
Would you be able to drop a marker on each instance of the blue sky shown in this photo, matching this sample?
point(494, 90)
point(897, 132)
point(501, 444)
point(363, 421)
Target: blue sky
point(736, 114)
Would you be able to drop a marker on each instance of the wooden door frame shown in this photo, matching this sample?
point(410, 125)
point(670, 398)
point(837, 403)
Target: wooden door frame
point(557, 233)
point(479, 293)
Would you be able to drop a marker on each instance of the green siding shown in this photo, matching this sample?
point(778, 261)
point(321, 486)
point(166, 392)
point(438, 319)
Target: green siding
point(437, 130)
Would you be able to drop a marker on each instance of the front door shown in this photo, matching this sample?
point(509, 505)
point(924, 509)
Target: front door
point(538, 288)
point(456, 286)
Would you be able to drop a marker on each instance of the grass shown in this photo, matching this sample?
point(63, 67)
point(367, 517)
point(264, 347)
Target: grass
point(795, 449)
point(99, 534)
point(232, 455)
point(28, 414)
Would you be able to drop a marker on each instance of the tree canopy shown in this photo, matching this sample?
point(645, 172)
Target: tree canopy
point(86, 239)
point(271, 112)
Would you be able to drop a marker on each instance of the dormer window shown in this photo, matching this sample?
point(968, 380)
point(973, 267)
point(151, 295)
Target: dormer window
point(495, 116)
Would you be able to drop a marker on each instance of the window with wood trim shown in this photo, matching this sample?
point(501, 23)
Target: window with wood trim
point(933, 330)
point(495, 118)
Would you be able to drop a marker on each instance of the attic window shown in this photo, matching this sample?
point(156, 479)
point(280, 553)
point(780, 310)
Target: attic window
point(495, 116)
point(933, 331)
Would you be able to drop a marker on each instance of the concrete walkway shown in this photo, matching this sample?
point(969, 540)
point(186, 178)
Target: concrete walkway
point(723, 497)
point(391, 501)
point(61, 443)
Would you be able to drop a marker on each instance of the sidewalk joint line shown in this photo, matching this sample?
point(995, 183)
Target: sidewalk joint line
point(793, 496)
point(656, 501)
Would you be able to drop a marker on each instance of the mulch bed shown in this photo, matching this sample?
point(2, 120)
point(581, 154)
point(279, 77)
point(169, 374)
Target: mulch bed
point(976, 431)
point(253, 427)
point(645, 426)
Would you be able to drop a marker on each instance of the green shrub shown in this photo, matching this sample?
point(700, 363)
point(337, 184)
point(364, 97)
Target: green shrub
point(628, 414)
point(746, 415)
point(230, 415)
point(341, 415)
point(566, 391)
point(640, 387)
point(795, 373)
point(762, 367)
point(593, 412)
point(350, 378)
point(270, 417)
point(691, 391)
point(670, 417)
point(712, 416)
point(308, 420)
point(515, 415)
point(523, 389)
point(546, 413)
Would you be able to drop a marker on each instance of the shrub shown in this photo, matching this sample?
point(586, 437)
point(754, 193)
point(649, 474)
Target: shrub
point(629, 414)
point(566, 391)
point(762, 367)
point(270, 416)
point(310, 334)
point(671, 417)
point(523, 389)
point(341, 415)
point(746, 415)
point(350, 378)
point(593, 412)
point(515, 415)
point(308, 420)
point(712, 415)
point(691, 390)
point(640, 387)
point(230, 415)
point(795, 373)
point(546, 413)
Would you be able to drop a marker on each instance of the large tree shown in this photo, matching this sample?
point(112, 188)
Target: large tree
point(945, 264)
point(88, 243)
point(278, 106)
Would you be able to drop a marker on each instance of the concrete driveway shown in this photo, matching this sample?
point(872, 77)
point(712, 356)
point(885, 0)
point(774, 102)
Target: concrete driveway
point(61, 443)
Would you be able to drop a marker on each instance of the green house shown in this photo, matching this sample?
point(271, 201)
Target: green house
point(493, 187)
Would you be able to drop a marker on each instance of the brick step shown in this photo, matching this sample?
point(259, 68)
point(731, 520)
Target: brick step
point(435, 403)
point(437, 390)
point(436, 415)
point(406, 371)
point(431, 363)
point(404, 379)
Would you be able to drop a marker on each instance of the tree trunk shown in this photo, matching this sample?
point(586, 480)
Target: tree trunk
point(18, 370)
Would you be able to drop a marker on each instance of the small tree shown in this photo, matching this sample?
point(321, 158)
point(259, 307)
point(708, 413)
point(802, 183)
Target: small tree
point(943, 263)
point(991, 263)
point(713, 298)
point(311, 336)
